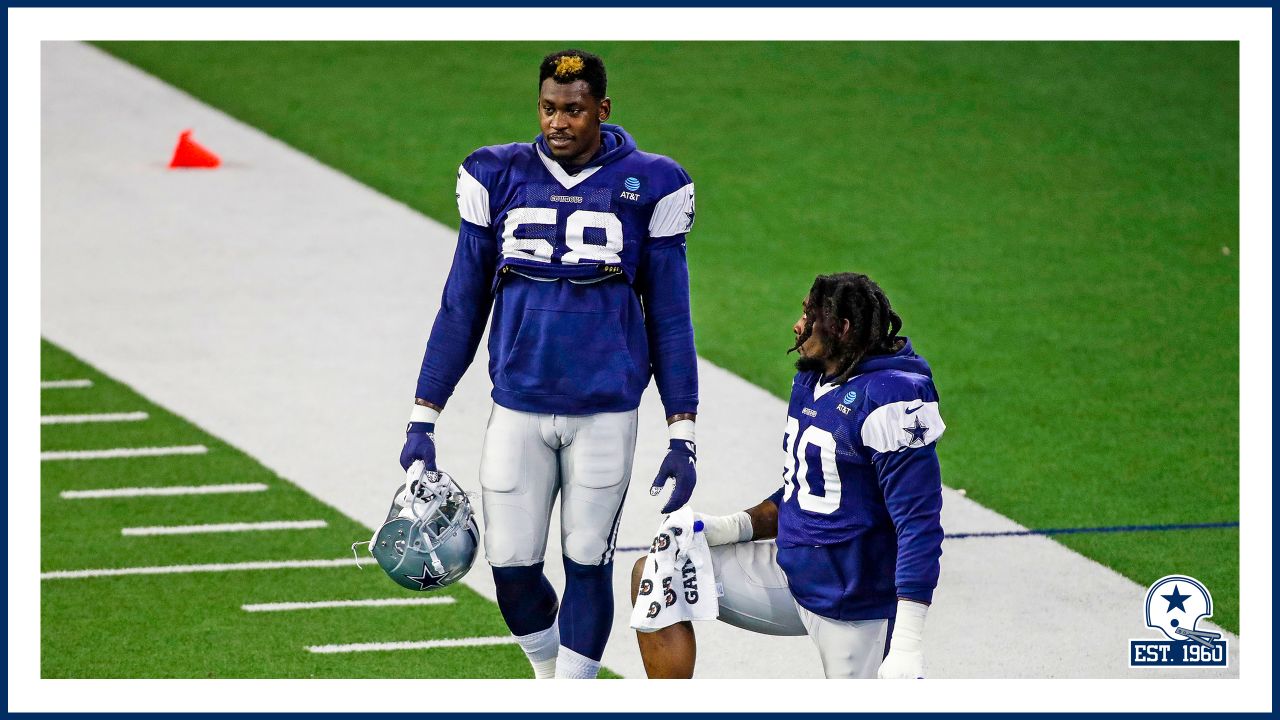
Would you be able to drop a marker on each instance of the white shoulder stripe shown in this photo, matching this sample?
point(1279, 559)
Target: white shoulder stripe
point(473, 199)
point(673, 214)
point(901, 425)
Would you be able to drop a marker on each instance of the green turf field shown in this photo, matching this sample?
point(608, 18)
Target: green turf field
point(192, 625)
point(1056, 222)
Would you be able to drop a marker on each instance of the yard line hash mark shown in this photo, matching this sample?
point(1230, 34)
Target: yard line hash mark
point(130, 492)
point(410, 645)
point(324, 604)
point(224, 527)
point(63, 384)
point(207, 568)
point(113, 453)
point(91, 418)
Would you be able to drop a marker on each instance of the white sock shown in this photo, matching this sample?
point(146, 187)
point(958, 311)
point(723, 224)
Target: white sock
point(570, 665)
point(541, 648)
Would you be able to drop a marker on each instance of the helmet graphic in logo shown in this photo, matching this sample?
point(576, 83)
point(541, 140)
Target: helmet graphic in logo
point(429, 539)
point(1175, 603)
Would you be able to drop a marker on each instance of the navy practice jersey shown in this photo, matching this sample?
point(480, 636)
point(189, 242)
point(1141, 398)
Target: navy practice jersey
point(859, 511)
point(586, 275)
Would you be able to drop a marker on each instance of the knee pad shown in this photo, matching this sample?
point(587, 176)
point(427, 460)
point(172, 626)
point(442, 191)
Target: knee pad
point(525, 597)
point(586, 548)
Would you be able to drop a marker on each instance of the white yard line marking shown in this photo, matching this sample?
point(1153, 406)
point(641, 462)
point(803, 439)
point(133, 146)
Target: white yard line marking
point(410, 645)
point(123, 453)
point(209, 568)
point(162, 491)
point(224, 527)
point(96, 417)
point(61, 384)
point(323, 604)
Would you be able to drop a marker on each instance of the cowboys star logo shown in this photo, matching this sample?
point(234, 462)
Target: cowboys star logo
point(917, 432)
point(427, 580)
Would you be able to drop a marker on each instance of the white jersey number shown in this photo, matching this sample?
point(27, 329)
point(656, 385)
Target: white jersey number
point(540, 249)
point(795, 468)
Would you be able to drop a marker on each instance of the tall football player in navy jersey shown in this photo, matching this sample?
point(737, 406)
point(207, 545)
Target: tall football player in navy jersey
point(577, 242)
point(857, 519)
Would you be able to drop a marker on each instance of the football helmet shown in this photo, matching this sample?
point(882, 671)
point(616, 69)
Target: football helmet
point(429, 539)
point(1175, 603)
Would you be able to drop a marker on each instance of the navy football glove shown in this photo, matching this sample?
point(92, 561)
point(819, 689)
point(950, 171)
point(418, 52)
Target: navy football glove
point(419, 444)
point(678, 464)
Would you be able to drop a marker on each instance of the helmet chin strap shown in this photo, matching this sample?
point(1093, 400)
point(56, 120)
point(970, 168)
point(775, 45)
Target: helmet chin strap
point(435, 563)
point(366, 543)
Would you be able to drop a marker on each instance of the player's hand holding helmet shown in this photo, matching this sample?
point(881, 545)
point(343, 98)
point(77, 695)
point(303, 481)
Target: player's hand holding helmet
point(429, 539)
point(419, 445)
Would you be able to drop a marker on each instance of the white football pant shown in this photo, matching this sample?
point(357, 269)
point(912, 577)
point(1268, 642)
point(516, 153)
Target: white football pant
point(529, 458)
point(757, 598)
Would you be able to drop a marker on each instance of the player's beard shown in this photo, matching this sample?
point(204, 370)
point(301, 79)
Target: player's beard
point(805, 363)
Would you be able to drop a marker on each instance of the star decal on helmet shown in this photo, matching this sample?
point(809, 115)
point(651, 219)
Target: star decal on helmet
point(1175, 600)
point(427, 580)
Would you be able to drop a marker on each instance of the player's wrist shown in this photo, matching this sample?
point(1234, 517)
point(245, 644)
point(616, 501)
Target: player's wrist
point(726, 529)
point(423, 414)
point(908, 627)
point(682, 430)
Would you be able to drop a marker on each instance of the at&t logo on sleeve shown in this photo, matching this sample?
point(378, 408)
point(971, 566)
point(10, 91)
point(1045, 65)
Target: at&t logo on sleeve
point(1175, 604)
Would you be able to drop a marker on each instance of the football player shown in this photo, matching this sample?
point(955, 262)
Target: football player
point(576, 241)
point(856, 521)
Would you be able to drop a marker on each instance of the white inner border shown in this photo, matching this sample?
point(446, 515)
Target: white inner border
point(1250, 26)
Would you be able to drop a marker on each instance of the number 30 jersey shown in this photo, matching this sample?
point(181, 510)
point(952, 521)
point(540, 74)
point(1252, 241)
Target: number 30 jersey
point(586, 275)
point(859, 511)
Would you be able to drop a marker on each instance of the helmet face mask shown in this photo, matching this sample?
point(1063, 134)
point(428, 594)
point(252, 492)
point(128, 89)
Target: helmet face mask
point(429, 539)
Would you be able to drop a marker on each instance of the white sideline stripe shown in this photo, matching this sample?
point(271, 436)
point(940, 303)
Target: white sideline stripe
point(123, 453)
point(150, 491)
point(59, 384)
point(322, 604)
point(209, 568)
point(96, 417)
point(410, 645)
point(224, 527)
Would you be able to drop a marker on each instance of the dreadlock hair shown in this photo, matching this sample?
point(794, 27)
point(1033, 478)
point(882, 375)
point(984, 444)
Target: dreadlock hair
point(567, 66)
point(873, 325)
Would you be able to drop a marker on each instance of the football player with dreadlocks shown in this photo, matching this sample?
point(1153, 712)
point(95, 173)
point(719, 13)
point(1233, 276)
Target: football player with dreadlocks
point(576, 241)
point(857, 519)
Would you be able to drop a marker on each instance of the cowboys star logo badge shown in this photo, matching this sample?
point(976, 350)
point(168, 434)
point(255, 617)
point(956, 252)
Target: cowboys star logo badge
point(917, 432)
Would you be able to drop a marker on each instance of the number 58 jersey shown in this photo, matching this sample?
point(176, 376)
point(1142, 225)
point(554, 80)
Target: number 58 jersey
point(586, 275)
point(859, 513)
point(550, 224)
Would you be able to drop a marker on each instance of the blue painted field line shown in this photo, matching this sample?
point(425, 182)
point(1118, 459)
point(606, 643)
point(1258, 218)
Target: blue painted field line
point(1104, 529)
point(1060, 531)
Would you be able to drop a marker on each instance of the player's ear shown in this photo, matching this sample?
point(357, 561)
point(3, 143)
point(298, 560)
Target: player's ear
point(844, 328)
point(606, 108)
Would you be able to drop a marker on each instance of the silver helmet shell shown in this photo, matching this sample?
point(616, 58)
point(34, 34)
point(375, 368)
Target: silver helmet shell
point(429, 539)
